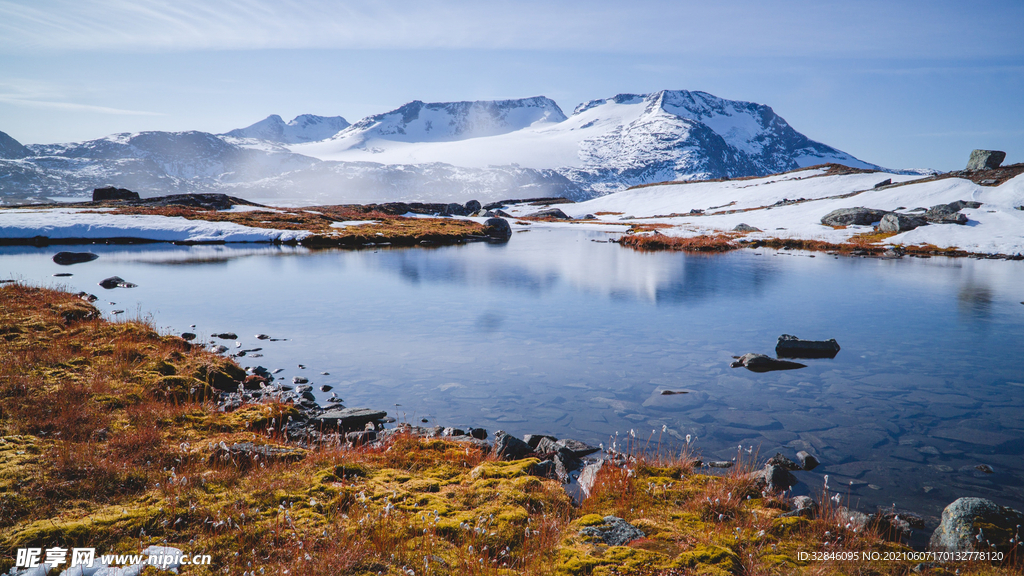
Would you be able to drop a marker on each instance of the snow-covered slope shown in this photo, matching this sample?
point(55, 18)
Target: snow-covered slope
point(792, 206)
point(303, 128)
point(605, 145)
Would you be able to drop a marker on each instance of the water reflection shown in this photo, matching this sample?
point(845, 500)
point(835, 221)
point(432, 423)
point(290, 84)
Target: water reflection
point(554, 333)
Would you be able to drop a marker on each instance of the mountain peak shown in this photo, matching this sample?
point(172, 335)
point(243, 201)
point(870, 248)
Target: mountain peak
point(303, 128)
point(11, 148)
point(449, 121)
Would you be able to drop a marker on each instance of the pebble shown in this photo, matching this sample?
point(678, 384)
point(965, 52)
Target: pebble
point(262, 336)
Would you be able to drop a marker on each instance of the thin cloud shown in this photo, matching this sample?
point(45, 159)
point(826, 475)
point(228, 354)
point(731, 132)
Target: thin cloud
point(73, 107)
point(742, 27)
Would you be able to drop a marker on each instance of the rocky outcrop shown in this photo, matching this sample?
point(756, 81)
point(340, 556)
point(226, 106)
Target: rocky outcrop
point(508, 447)
point(349, 418)
point(498, 229)
point(975, 524)
point(774, 478)
point(111, 193)
point(807, 461)
point(790, 346)
point(763, 363)
point(893, 223)
point(859, 216)
point(613, 532)
point(745, 228)
point(985, 159)
point(554, 213)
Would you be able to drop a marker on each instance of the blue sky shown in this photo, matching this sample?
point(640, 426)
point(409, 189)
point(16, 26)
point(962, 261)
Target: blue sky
point(901, 84)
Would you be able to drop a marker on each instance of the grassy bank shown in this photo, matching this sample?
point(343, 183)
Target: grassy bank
point(110, 437)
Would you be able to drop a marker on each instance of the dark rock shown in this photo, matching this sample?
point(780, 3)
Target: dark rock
point(188, 336)
point(497, 229)
point(473, 206)
point(69, 258)
point(985, 468)
point(545, 469)
point(745, 228)
point(205, 201)
point(555, 213)
point(502, 214)
point(478, 433)
point(721, 464)
point(92, 297)
point(361, 437)
point(449, 431)
point(299, 380)
point(807, 461)
point(985, 159)
point(454, 209)
point(673, 392)
point(885, 182)
point(57, 275)
point(565, 464)
point(254, 382)
point(546, 446)
point(262, 337)
point(762, 363)
point(326, 388)
point(792, 347)
point(946, 213)
point(112, 193)
point(577, 448)
point(966, 519)
point(589, 217)
point(614, 532)
point(116, 282)
point(893, 525)
point(853, 216)
point(785, 463)
point(775, 478)
point(534, 439)
point(226, 336)
point(247, 454)
point(508, 447)
point(349, 418)
point(893, 222)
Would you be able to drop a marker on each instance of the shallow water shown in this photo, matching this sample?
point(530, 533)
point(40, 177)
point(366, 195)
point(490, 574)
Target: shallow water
point(555, 333)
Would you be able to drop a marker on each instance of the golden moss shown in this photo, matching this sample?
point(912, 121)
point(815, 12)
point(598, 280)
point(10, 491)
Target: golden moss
point(499, 469)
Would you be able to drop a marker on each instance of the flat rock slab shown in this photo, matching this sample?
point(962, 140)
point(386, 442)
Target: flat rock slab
point(790, 346)
point(350, 418)
point(69, 258)
point(763, 363)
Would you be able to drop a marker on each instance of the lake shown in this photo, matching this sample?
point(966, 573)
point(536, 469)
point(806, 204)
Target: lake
point(560, 332)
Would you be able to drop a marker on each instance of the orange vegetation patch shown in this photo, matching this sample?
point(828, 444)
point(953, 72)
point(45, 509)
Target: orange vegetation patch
point(319, 220)
point(709, 243)
point(652, 227)
point(608, 213)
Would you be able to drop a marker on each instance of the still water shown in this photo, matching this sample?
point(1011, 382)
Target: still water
point(558, 332)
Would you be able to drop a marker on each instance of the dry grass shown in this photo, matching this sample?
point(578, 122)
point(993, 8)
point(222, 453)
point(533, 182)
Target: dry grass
point(387, 228)
point(707, 243)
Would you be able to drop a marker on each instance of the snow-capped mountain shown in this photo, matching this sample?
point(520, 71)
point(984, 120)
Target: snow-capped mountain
point(451, 151)
point(605, 145)
point(302, 128)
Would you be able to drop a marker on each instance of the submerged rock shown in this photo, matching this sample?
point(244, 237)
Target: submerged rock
point(116, 282)
point(762, 363)
point(807, 461)
point(790, 346)
point(69, 258)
